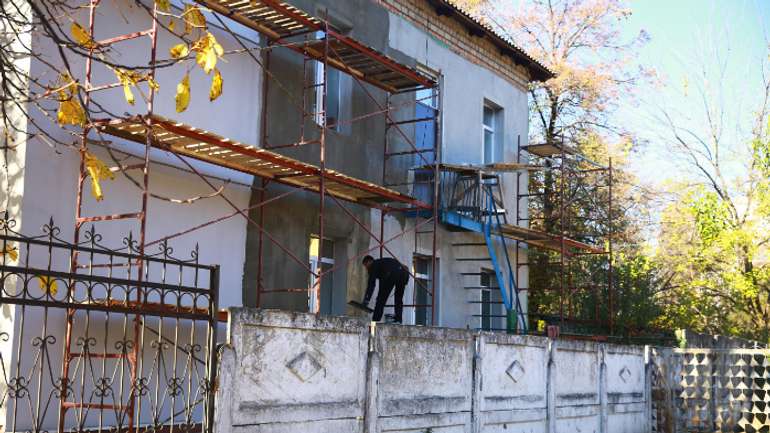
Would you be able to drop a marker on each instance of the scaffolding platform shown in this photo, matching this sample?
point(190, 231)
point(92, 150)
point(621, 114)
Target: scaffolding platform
point(206, 146)
point(497, 167)
point(547, 150)
point(529, 236)
point(280, 22)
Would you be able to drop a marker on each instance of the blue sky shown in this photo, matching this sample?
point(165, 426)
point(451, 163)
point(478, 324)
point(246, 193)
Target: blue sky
point(686, 34)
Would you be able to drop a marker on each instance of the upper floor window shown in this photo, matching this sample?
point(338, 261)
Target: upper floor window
point(328, 112)
point(492, 133)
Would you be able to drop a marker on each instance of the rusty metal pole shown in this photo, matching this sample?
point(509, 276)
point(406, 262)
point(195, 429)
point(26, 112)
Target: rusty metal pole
point(78, 213)
point(138, 350)
point(260, 245)
point(436, 203)
point(562, 249)
point(385, 171)
point(263, 139)
point(609, 247)
point(322, 165)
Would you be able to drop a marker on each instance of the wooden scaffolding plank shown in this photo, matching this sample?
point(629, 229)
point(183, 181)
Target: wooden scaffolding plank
point(278, 20)
point(207, 146)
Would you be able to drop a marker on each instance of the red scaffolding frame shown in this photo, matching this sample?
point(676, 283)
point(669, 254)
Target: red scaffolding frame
point(565, 163)
point(285, 27)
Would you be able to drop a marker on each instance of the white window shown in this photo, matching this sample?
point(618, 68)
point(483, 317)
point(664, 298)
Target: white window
point(422, 288)
point(321, 259)
point(330, 113)
point(491, 133)
point(492, 312)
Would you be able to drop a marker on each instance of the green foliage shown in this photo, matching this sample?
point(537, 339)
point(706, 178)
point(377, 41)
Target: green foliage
point(710, 213)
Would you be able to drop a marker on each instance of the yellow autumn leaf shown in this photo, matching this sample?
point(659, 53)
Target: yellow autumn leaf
point(208, 51)
point(216, 85)
point(171, 25)
point(98, 171)
point(70, 111)
point(163, 5)
point(127, 79)
point(152, 83)
point(81, 36)
point(193, 18)
point(11, 251)
point(183, 94)
point(207, 60)
point(47, 284)
point(179, 50)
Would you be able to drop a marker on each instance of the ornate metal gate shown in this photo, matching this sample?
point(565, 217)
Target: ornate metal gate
point(140, 354)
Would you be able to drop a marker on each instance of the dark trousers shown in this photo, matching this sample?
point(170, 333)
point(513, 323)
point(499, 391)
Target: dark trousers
point(383, 292)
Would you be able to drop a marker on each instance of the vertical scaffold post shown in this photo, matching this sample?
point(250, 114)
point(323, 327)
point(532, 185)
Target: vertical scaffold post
point(436, 203)
point(263, 136)
point(316, 294)
point(610, 297)
point(562, 245)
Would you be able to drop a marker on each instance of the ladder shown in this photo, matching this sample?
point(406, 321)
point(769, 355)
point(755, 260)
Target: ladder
point(128, 351)
point(493, 219)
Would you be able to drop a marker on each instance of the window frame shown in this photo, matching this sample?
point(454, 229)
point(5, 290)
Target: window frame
point(494, 129)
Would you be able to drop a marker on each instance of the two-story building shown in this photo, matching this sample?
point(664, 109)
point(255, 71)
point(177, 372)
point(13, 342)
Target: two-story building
point(345, 128)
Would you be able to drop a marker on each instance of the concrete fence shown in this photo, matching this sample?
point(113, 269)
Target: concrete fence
point(293, 372)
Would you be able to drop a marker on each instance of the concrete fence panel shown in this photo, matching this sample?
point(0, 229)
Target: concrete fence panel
point(296, 372)
point(425, 377)
point(626, 389)
point(576, 371)
point(511, 380)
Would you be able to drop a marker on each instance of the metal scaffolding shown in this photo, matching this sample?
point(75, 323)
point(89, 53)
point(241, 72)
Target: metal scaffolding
point(314, 39)
point(579, 237)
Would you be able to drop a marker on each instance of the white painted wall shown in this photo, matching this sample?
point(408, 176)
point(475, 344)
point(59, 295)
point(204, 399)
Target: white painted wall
point(465, 87)
point(51, 174)
point(44, 178)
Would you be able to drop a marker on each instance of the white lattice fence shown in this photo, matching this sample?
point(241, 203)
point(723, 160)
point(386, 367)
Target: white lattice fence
point(711, 390)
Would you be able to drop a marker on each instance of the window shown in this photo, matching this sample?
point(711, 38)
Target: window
point(422, 288)
point(321, 259)
point(425, 131)
point(491, 133)
point(491, 303)
point(426, 108)
point(331, 112)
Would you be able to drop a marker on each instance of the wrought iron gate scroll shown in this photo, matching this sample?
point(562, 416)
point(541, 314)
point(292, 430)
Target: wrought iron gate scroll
point(117, 379)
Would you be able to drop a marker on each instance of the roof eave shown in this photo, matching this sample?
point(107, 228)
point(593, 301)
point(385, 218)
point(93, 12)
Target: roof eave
point(536, 71)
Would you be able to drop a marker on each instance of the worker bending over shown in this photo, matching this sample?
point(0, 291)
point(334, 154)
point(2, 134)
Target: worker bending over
point(391, 273)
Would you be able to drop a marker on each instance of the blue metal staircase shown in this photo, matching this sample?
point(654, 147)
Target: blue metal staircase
point(504, 269)
point(472, 201)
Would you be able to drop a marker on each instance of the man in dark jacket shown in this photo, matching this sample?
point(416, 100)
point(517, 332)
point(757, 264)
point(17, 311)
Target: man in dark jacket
point(391, 273)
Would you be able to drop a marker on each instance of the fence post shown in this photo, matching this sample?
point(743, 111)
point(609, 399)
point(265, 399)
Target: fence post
point(476, 383)
point(601, 349)
point(372, 382)
point(224, 391)
point(213, 328)
point(648, 388)
point(550, 391)
point(671, 386)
